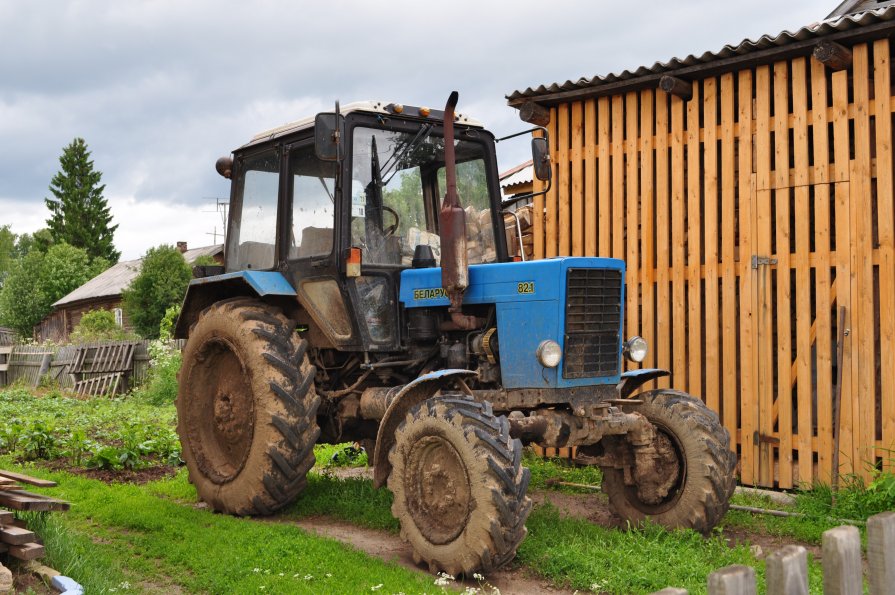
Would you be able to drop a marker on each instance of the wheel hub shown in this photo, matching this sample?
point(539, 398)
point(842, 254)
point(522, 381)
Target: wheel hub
point(221, 441)
point(667, 472)
point(438, 488)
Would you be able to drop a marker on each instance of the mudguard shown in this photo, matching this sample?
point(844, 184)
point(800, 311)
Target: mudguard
point(634, 379)
point(411, 395)
point(203, 292)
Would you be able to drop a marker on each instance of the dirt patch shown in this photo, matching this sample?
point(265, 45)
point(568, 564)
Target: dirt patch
point(591, 507)
point(763, 544)
point(390, 547)
point(137, 476)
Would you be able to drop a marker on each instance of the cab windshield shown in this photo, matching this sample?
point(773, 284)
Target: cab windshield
point(398, 182)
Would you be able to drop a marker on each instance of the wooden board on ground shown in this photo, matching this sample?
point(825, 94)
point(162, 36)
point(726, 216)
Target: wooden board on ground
point(16, 535)
point(41, 483)
point(22, 500)
point(5, 517)
point(28, 551)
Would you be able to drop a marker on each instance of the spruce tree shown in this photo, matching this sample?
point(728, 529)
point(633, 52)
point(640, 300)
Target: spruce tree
point(79, 215)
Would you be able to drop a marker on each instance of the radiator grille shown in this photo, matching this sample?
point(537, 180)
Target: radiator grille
point(593, 321)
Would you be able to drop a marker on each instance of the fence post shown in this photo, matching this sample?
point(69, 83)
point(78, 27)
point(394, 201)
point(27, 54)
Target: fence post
point(786, 571)
point(842, 561)
point(732, 580)
point(44, 368)
point(881, 553)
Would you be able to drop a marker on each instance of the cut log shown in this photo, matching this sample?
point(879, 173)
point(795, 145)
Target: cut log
point(833, 55)
point(41, 483)
point(535, 114)
point(675, 86)
point(28, 551)
point(16, 535)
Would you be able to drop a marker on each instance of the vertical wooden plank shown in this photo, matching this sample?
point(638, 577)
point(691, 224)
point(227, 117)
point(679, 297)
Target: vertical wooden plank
point(693, 234)
point(663, 241)
point(764, 345)
point(590, 176)
point(678, 241)
point(632, 220)
point(823, 279)
point(710, 191)
point(618, 177)
point(647, 229)
point(545, 205)
point(563, 139)
point(784, 284)
point(746, 194)
point(577, 172)
point(864, 364)
point(803, 269)
point(605, 208)
point(886, 225)
point(728, 264)
point(841, 146)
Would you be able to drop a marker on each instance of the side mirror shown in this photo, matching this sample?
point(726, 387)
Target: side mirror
point(329, 134)
point(540, 157)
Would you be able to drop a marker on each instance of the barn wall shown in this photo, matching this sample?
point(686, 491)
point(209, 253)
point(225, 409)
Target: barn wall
point(751, 217)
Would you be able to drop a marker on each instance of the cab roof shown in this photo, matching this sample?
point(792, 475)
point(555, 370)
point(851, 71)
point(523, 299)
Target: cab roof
point(372, 107)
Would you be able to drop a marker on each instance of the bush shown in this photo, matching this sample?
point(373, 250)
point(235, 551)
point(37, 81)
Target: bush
point(98, 325)
point(162, 282)
point(160, 387)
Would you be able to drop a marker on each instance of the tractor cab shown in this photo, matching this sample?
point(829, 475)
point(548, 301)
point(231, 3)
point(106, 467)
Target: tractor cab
point(341, 228)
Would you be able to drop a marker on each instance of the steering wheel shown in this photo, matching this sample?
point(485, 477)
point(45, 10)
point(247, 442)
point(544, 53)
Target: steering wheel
point(391, 229)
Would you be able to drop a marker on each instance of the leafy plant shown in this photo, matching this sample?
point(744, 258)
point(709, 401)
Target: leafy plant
point(105, 457)
point(77, 445)
point(160, 387)
point(99, 325)
point(161, 283)
point(39, 440)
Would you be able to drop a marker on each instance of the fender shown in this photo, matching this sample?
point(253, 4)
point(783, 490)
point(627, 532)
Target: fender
point(634, 379)
point(408, 397)
point(203, 292)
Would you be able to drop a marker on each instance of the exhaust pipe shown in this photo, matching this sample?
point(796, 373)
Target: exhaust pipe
point(452, 229)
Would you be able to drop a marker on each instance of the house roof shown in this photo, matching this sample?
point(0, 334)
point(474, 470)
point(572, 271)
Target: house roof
point(869, 24)
point(113, 280)
point(521, 174)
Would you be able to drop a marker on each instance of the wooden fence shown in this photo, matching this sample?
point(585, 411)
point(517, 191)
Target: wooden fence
point(786, 571)
point(69, 364)
point(749, 216)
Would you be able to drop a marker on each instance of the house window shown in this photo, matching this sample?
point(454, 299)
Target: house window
point(119, 317)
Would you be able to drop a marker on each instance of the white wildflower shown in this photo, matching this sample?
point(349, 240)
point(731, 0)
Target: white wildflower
point(478, 576)
point(309, 577)
point(376, 587)
point(329, 575)
point(256, 570)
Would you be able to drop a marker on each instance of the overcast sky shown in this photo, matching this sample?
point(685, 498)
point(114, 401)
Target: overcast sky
point(160, 89)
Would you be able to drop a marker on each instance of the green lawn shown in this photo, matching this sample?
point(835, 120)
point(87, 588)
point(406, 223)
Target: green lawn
point(153, 537)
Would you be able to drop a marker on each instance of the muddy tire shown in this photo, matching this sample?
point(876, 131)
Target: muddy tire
point(246, 408)
point(697, 458)
point(459, 486)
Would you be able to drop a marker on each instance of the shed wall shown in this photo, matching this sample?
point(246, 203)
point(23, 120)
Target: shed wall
point(750, 217)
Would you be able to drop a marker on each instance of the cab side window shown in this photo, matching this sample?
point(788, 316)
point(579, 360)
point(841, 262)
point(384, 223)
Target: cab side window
point(253, 223)
point(313, 206)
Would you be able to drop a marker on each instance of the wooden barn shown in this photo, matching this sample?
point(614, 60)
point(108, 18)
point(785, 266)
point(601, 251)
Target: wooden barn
point(103, 292)
point(750, 192)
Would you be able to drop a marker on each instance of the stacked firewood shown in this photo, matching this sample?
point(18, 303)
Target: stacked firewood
point(16, 541)
point(525, 215)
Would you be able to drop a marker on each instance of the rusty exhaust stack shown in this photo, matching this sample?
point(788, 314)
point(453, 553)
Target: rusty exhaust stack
point(452, 229)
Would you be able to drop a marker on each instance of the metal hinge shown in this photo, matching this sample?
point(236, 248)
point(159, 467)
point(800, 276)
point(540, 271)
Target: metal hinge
point(759, 260)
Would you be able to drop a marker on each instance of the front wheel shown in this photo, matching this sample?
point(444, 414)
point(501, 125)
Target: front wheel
point(246, 408)
point(694, 463)
point(459, 486)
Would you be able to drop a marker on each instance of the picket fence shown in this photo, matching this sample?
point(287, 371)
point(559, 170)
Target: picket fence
point(786, 570)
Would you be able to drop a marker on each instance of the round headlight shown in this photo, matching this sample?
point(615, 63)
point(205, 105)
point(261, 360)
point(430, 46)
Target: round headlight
point(549, 353)
point(635, 349)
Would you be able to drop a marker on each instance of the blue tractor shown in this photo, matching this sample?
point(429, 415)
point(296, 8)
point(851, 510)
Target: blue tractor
point(368, 296)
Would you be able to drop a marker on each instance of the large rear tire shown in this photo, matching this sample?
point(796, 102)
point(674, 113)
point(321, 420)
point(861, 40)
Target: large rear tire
point(695, 459)
point(246, 408)
point(459, 486)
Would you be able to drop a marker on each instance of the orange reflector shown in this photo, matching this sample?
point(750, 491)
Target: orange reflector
point(352, 263)
point(517, 258)
point(424, 112)
point(398, 108)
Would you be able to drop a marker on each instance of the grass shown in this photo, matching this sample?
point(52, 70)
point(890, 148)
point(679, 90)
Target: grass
point(152, 538)
point(149, 538)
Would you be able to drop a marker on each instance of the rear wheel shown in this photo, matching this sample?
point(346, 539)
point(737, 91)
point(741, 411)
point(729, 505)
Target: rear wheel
point(695, 466)
point(246, 408)
point(459, 486)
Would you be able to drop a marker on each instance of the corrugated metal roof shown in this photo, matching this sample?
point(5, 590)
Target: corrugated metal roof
point(883, 16)
point(113, 280)
point(521, 174)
